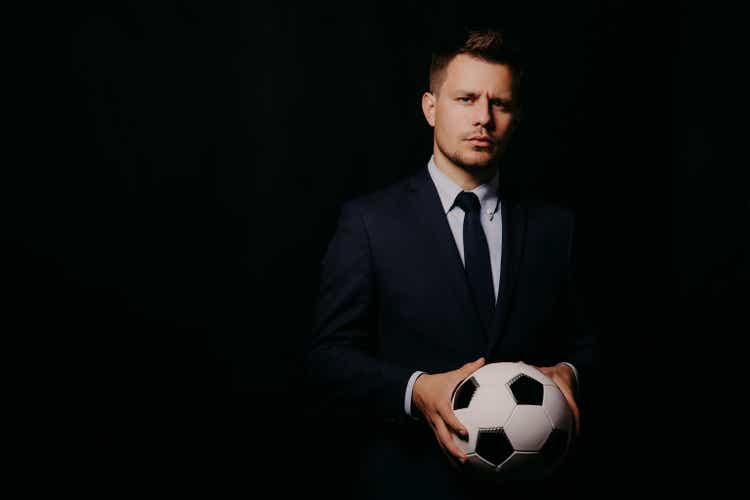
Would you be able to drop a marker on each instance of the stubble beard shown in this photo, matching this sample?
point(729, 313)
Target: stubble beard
point(473, 167)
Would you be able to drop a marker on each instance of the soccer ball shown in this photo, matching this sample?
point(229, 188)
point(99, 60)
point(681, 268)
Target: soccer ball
point(518, 421)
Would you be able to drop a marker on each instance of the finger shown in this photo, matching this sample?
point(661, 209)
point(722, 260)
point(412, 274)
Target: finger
point(461, 374)
point(446, 438)
point(564, 386)
point(451, 421)
point(469, 368)
point(451, 459)
point(456, 464)
point(549, 372)
point(573, 406)
point(576, 416)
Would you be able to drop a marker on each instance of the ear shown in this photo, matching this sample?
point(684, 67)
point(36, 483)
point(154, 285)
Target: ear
point(428, 107)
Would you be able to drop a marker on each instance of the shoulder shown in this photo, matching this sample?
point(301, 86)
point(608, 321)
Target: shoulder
point(380, 201)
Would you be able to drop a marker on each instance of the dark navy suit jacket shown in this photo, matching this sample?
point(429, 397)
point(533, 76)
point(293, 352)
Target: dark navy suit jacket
point(394, 298)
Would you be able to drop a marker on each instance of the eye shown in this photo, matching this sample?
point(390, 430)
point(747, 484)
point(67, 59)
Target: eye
point(464, 99)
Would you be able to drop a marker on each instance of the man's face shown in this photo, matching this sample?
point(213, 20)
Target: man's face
point(473, 112)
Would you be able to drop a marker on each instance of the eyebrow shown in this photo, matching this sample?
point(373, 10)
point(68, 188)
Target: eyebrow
point(474, 94)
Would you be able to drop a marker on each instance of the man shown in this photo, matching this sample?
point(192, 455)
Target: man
point(430, 278)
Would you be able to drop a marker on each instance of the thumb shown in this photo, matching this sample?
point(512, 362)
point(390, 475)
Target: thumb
point(472, 366)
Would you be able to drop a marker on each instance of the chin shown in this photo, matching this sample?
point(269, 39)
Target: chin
point(478, 157)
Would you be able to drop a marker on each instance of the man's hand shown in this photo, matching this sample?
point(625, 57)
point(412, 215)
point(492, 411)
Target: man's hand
point(562, 375)
point(431, 395)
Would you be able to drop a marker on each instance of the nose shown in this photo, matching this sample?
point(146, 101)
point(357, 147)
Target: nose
point(483, 116)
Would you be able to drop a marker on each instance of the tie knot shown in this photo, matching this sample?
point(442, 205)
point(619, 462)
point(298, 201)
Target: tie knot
point(468, 201)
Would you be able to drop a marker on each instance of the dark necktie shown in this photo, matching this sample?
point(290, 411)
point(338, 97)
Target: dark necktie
point(477, 257)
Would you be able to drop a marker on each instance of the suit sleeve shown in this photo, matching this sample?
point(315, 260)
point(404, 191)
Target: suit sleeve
point(343, 377)
point(579, 332)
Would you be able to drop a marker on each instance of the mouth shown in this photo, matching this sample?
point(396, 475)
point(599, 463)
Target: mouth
point(480, 141)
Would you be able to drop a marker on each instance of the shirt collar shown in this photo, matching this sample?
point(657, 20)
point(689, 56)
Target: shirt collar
point(448, 190)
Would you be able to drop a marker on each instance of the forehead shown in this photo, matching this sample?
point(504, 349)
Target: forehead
point(467, 73)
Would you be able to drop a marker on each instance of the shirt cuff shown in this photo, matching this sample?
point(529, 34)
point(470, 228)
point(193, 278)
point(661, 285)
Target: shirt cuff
point(407, 396)
point(575, 373)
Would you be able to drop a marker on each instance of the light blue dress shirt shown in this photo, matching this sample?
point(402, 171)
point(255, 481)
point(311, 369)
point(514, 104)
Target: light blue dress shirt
point(491, 223)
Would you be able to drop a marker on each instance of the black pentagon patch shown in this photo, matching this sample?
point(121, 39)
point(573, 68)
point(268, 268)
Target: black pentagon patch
point(493, 445)
point(526, 390)
point(465, 393)
point(555, 446)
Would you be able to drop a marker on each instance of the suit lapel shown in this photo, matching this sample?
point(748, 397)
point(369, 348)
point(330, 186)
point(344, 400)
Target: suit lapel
point(433, 224)
point(514, 235)
point(425, 203)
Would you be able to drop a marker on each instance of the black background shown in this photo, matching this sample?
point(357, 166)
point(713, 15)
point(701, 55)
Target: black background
point(183, 176)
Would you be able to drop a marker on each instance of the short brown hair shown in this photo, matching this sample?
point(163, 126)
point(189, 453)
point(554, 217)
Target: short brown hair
point(487, 44)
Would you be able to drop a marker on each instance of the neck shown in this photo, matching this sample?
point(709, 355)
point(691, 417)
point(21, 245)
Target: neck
point(468, 180)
